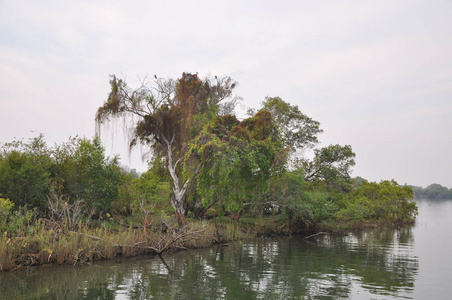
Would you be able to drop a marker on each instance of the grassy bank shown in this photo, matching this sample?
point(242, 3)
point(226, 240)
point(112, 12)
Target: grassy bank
point(46, 244)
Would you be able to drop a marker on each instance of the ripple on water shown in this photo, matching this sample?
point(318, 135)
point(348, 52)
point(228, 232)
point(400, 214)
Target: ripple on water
point(407, 263)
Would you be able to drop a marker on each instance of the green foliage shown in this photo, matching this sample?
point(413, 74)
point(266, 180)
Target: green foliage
point(123, 205)
point(379, 201)
point(433, 191)
point(322, 206)
point(99, 176)
point(5, 208)
point(25, 170)
point(331, 166)
point(235, 159)
point(150, 193)
point(300, 205)
point(78, 169)
point(20, 222)
point(356, 209)
point(83, 172)
point(297, 130)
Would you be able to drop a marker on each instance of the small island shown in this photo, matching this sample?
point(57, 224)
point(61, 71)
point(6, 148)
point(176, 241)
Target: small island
point(213, 178)
point(434, 192)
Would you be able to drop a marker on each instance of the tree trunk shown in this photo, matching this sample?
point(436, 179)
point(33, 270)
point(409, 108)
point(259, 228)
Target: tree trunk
point(199, 212)
point(178, 199)
point(181, 221)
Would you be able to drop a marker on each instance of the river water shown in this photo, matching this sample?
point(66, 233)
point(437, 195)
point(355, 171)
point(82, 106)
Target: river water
point(409, 263)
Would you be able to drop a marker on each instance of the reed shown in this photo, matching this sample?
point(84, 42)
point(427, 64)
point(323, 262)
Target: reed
point(43, 245)
point(46, 244)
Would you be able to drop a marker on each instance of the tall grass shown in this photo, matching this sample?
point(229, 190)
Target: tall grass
point(41, 245)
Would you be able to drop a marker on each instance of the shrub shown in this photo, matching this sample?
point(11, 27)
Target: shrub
point(379, 201)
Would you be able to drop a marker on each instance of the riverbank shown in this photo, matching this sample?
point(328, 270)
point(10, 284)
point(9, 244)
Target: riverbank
point(44, 245)
point(382, 263)
point(55, 245)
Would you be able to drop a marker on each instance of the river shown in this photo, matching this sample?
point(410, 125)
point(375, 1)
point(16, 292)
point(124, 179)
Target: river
point(408, 263)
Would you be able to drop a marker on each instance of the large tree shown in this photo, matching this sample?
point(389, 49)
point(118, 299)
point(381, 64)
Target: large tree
point(167, 115)
point(236, 161)
point(297, 130)
point(332, 166)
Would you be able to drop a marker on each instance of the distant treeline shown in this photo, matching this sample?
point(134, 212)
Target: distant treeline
point(433, 191)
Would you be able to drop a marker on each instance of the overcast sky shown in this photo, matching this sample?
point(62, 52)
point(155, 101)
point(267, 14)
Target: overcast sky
point(376, 74)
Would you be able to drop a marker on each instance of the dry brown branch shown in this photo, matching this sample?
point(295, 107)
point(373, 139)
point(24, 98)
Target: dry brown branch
point(164, 245)
point(316, 234)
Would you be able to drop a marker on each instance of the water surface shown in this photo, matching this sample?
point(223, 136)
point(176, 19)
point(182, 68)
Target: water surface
point(409, 263)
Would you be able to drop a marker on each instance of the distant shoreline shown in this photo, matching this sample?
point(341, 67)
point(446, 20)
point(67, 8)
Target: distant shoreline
point(433, 192)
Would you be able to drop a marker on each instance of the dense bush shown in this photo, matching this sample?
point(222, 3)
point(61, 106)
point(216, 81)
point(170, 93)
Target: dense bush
point(25, 170)
point(378, 201)
point(76, 170)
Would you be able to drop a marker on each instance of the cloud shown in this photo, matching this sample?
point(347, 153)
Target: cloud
point(376, 74)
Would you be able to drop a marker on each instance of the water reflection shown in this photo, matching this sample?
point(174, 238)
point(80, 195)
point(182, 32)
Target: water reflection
point(375, 263)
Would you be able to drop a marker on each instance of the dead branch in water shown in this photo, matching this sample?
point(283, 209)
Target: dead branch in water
point(316, 234)
point(164, 245)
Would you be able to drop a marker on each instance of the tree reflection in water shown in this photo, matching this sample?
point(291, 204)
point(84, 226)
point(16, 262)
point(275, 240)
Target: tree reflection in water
point(379, 263)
